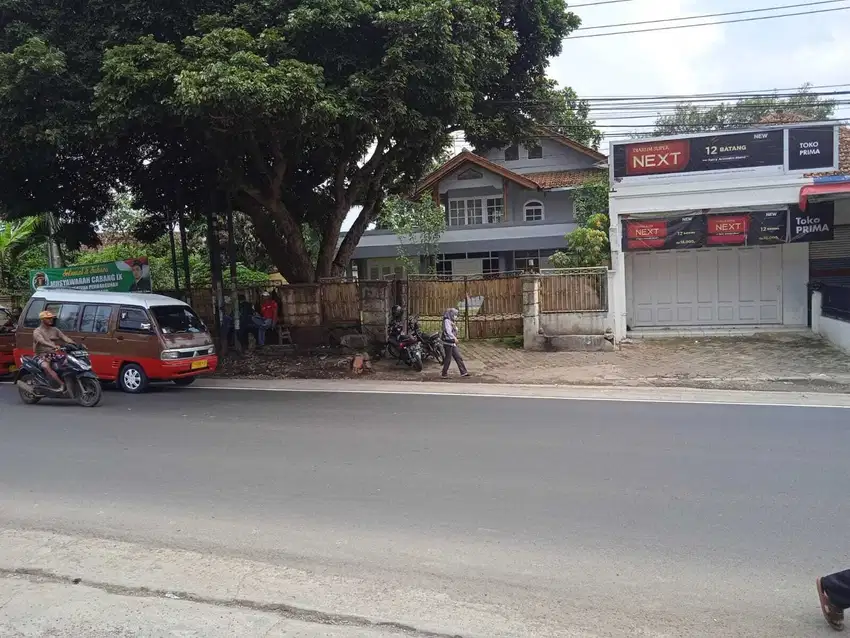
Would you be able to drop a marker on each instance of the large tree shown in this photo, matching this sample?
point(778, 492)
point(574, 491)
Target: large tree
point(691, 118)
point(291, 111)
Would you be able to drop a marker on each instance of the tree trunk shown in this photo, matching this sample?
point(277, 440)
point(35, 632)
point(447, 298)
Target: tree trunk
point(288, 253)
point(184, 248)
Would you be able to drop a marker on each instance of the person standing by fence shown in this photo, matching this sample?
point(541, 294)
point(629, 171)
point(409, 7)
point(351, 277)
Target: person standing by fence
point(450, 344)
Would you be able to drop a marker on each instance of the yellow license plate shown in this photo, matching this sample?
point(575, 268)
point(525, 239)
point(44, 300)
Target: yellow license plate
point(199, 365)
point(13, 368)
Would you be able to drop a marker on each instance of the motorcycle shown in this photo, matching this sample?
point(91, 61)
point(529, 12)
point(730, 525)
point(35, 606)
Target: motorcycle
point(432, 345)
point(407, 349)
point(73, 367)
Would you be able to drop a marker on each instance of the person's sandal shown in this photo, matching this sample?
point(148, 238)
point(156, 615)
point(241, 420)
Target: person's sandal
point(833, 615)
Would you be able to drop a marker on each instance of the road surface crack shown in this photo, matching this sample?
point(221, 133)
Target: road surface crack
point(286, 611)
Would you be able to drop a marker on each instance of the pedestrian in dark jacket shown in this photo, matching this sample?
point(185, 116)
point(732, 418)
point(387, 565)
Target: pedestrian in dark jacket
point(834, 594)
point(450, 343)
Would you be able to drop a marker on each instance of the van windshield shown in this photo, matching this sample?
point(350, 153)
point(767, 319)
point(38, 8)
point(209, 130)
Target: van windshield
point(177, 319)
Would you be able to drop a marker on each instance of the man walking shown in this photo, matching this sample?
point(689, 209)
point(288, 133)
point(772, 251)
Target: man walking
point(834, 595)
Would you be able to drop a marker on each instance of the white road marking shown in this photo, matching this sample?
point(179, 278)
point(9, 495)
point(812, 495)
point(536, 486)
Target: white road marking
point(812, 401)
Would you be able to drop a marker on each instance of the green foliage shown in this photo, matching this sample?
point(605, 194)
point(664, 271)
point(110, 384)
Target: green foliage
point(159, 257)
point(295, 111)
point(690, 118)
point(589, 245)
point(571, 117)
point(589, 199)
point(16, 239)
point(419, 226)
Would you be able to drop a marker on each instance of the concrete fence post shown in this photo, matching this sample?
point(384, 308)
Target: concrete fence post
point(817, 306)
point(375, 303)
point(530, 311)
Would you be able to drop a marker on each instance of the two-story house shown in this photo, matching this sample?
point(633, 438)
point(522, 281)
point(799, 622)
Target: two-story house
point(507, 209)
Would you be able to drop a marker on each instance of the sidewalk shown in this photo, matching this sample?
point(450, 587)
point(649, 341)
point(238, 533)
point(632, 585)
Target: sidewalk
point(767, 362)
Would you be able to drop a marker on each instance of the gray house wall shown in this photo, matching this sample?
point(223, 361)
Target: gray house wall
point(556, 157)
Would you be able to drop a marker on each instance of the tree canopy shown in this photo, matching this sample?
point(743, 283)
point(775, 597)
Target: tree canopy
point(290, 111)
point(692, 118)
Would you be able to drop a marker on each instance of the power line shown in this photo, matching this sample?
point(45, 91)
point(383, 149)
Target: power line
point(690, 98)
point(594, 4)
point(722, 93)
point(707, 24)
point(711, 15)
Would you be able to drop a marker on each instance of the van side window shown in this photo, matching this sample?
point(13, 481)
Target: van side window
point(96, 319)
point(31, 317)
point(134, 320)
point(66, 318)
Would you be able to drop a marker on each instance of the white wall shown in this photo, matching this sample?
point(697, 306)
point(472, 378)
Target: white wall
point(575, 323)
point(556, 157)
point(835, 331)
point(795, 279)
point(717, 195)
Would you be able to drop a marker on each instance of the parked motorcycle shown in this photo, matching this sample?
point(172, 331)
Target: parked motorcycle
point(406, 348)
point(74, 368)
point(432, 345)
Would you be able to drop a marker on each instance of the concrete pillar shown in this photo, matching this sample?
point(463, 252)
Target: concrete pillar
point(530, 311)
point(617, 282)
point(817, 305)
point(375, 304)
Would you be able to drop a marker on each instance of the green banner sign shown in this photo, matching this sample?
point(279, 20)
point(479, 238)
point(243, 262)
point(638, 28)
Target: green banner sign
point(132, 275)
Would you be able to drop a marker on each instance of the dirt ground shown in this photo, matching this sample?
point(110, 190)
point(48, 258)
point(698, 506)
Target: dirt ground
point(767, 362)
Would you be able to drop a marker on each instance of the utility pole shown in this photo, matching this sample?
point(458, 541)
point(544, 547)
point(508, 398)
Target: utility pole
point(54, 255)
point(231, 250)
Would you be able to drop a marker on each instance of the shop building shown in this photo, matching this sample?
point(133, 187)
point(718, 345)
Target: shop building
point(718, 231)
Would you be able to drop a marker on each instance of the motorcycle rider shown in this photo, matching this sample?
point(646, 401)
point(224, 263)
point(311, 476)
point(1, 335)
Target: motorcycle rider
point(46, 341)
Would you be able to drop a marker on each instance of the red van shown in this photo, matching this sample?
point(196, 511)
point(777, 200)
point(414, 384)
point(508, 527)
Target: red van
point(7, 342)
point(132, 338)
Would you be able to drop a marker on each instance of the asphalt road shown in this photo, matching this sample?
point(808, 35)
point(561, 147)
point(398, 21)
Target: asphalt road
point(567, 517)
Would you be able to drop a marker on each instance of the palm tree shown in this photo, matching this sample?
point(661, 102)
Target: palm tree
point(16, 237)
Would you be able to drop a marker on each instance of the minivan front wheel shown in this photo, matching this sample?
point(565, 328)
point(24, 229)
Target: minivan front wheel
point(133, 379)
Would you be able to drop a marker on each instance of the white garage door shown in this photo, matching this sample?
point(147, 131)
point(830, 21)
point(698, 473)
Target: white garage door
point(709, 286)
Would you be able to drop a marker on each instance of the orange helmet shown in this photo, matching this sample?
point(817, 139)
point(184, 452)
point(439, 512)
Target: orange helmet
point(46, 314)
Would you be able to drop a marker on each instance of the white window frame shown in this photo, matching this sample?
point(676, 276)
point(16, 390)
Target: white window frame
point(480, 209)
point(533, 204)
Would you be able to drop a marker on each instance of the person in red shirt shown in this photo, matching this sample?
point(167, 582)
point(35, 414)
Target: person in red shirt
point(268, 313)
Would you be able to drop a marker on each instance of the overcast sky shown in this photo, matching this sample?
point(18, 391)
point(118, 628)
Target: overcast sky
point(767, 54)
point(777, 53)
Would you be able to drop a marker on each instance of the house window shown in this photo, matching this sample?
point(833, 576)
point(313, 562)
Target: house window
point(469, 212)
point(490, 266)
point(495, 207)
point(533, 211)
point(512, 153)
point(527, 260)
point(469, 174)
point(457, 212)
point(535, 151)
point(444, 267)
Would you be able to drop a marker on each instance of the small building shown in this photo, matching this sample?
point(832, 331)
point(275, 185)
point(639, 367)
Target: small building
point(725, 230)
point(506, 209)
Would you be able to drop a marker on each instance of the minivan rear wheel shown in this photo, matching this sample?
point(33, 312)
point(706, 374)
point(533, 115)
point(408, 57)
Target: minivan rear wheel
point(133, 379)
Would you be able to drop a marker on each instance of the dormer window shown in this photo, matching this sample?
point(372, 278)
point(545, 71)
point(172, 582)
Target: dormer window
point(535, 151)
point(512, 153)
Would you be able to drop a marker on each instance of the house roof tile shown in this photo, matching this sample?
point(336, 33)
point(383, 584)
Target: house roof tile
point(565, 179)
